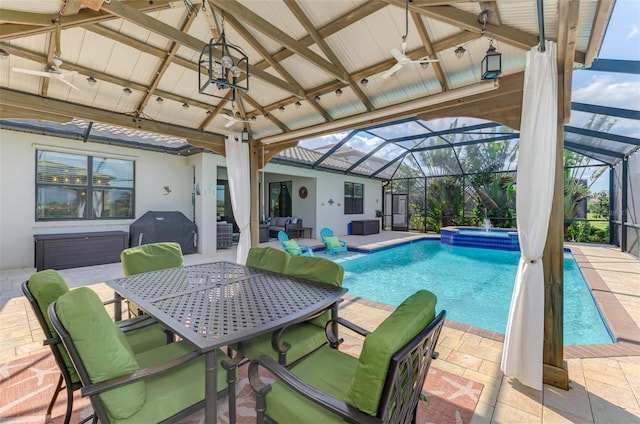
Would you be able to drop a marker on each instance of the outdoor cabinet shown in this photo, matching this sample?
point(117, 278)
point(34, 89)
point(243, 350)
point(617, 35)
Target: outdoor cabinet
point(60, 251)
point(365, 227)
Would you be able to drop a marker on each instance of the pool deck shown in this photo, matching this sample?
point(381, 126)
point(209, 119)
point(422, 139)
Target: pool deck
point(605, 378)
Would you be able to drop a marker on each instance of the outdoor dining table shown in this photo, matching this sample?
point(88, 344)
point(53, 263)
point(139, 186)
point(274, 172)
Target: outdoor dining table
point(217, 304)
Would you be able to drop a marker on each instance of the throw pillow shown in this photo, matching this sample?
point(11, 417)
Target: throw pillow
point(292, 247)
point(332, 241)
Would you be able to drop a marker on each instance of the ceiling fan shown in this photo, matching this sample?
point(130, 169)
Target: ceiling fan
point(232, 120)
point(401, 55)
point(51, 70)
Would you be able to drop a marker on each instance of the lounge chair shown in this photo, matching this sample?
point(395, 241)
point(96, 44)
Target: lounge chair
point(292, 247)
point(165, 384)
point(44, 287)
point(289, 344)
point(383, 385)
point(150, 257)
point(331, 242)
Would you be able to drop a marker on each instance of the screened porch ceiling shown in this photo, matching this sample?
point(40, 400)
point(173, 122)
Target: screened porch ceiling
point(314, 70)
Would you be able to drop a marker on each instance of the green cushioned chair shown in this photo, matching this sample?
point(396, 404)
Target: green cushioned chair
point(165, 384)
point(45, 287)
point(383, 385)
point(331, 243)
point(293, 342)
point(268, 259)
point(292, 247)
point(150, 257)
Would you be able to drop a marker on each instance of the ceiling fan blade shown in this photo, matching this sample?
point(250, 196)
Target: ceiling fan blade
point(398, 55)
point(31, 72)
point(424, 60)
point(61, 79)
point(395, 68)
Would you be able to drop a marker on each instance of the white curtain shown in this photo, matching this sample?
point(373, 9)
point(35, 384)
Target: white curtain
point(237, 154)
point(523, 344)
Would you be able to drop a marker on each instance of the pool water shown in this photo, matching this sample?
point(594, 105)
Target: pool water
point(473, 285)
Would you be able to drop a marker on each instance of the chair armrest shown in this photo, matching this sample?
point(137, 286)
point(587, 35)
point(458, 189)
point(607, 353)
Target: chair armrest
point(114, 383)
point(330, 403)
point(333, 339)
point(344, 242)
point(136, 323)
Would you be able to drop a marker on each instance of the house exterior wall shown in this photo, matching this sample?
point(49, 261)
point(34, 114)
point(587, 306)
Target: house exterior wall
point(316, 210)
point(153, 171)
point(18, 225)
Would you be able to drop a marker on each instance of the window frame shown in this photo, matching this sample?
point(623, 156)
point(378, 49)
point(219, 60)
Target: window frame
point(351, 201)
point(89, 187)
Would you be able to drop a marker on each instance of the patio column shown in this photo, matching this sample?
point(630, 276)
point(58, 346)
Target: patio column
point(254, 188)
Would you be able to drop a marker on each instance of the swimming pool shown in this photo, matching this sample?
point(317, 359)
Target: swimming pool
point(474, 285)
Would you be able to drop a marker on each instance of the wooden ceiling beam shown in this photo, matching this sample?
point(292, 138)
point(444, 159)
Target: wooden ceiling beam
point(320, 42)
point(247, 16)
point(598, 29)
point(568, 11)
point(336, 25)
point(15, 112)
point(426, 42)
point(169, 56)
point(269, 116)
point(121, 10)
point(23, 18)
point(42, 105)
point(83, 17)
point(253, 42)
point(469, 22)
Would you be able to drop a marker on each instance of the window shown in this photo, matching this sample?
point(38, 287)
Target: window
point(353, 198)
point(70, 186)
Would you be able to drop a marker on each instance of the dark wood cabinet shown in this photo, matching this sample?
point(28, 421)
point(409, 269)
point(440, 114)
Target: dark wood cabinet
point(60, 251)
point(365, 227)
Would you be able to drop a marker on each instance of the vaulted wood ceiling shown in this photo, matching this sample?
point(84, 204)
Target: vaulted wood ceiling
point(315, 66)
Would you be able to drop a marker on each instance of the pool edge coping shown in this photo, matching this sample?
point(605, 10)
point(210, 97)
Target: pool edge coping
point(625, 332)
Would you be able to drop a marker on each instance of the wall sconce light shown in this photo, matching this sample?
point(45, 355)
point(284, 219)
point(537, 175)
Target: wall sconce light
point(185, 105)
point(244, 136)
point(4, 54)
point(159, 100)
point(491, 66)
point(364, 82)
point(91, 80)
point(460, 51)
point(298, 104)
point(167, 190)
point(339, 92)
point(126, 91)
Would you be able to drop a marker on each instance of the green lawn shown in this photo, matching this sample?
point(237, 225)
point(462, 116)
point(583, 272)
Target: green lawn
point(601, 223)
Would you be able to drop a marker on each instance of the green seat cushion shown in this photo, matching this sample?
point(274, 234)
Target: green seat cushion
point(171, 392)
point(329, 371)
point(332, 241)
point(409, 319)
point(303, 338)
point(151, 257)
point(46, 287)
point(292, 247)
point(320, 270)
point(268, 259)
point(103, 349)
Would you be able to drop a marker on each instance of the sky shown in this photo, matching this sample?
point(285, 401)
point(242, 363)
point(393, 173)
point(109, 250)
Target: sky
point(621, 42)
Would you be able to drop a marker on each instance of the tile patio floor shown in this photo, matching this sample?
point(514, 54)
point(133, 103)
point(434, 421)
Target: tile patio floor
point(605, 378)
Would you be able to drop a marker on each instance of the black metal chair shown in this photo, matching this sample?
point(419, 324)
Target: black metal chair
point(383, 385)
point(165, 384)
point(48, 285)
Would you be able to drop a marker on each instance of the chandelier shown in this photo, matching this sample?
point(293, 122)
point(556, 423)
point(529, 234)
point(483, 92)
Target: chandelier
point(220, 69)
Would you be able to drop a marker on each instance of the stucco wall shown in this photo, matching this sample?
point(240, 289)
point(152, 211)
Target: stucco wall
point(316, 210)
point(153, 171)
